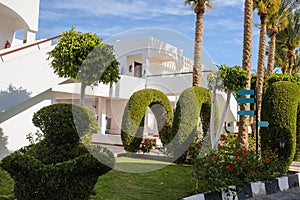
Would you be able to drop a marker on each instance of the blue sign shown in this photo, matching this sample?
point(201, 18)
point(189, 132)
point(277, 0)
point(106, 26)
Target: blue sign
point(263, 124)
point(245, 92)
point(246, 112)
point(245, 100)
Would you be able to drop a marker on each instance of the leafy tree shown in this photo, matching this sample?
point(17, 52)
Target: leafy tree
point(247, 66)
point(199, 7)
point(3, 142)
point(264, 9)
point(12, 97)
point(85, 58)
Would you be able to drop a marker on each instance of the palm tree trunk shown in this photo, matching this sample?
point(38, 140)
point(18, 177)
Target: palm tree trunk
point(246, 65)
point(291, 56)
point(82, 94)
point(261, 62)
point(197, 69)
point(271, 56)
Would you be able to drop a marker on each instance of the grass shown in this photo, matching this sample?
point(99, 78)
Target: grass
point(167, 181)
point(132, 179)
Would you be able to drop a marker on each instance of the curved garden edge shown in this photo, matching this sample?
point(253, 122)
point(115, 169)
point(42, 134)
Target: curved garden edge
point(252, 190)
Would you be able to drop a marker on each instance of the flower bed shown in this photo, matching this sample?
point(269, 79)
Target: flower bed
point(233, 166)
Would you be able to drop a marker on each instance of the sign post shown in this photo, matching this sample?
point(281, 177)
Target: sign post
point(251, 112)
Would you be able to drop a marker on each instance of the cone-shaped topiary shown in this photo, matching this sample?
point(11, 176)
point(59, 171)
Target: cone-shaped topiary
point(279, 108)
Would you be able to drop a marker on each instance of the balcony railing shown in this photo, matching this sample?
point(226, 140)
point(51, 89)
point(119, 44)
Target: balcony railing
point(28, 46)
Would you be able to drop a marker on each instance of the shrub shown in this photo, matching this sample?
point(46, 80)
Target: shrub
point(6, 186)
point(220, 169)
point(279, 108)
point(193, 103)
point(62, 168)
point(134, 114)
point(297, 153)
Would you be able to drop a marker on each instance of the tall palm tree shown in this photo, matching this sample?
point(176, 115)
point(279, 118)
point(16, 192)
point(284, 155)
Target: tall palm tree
point(199, 7)
point(246, 65)
point(277, 22)
point(264, 8)
point(289, 38)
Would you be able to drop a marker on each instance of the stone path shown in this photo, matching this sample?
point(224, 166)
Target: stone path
point(290, 194)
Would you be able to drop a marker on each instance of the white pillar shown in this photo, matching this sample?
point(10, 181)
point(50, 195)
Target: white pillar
point(102, 114)
point(29, 35)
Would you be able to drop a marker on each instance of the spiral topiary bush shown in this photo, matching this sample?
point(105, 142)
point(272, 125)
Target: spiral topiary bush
point(280, 108)
point(134, 114)
point(59, 167)
point(193, 103)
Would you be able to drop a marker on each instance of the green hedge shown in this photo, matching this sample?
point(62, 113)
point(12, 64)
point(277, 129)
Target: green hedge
point(59, 166)
point(192, 103)
point(297, 153)
point(279, 108)
point(134, 114)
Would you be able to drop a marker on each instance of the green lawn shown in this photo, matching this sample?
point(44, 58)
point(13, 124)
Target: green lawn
point(168, 181)
point(133, 179)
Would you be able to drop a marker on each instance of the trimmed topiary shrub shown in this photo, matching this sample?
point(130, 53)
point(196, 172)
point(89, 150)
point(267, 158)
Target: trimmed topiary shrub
point(59, 167)
point(134, 114)
point(279, 108)
point(297, 153)
point(193, 103)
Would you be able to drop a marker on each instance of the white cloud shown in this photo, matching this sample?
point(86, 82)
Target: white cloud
point(219, 3)
point(47, 14)
point(135, 9)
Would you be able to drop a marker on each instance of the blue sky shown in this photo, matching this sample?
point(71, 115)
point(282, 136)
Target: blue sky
point(223, 25)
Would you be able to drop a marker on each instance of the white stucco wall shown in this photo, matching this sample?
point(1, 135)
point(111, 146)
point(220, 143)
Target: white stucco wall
point(16, 15)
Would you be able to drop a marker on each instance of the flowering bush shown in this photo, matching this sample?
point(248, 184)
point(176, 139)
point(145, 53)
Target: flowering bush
point(146, 145)
point(222, 168)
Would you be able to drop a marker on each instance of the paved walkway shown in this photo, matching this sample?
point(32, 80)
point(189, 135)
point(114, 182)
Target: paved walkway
point(290, 194)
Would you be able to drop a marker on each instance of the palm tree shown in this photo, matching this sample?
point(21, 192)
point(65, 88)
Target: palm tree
point(277, 22)
point(281, 59)
point(199, 7)
point(296, 68)
point(289, 38)
point(246, 65)
point(264, 8)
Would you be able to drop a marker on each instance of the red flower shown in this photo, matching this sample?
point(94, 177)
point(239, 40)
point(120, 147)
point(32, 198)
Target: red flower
point(245, 152)
point(236, 155)
point(187, 150)
point(144, 142)
point(215, 157)
point(221, 138)
point(267, 160)
point(219, 144)
point(230, 167)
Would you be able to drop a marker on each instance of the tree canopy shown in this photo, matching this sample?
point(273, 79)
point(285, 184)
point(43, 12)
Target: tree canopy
point(84, 57)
